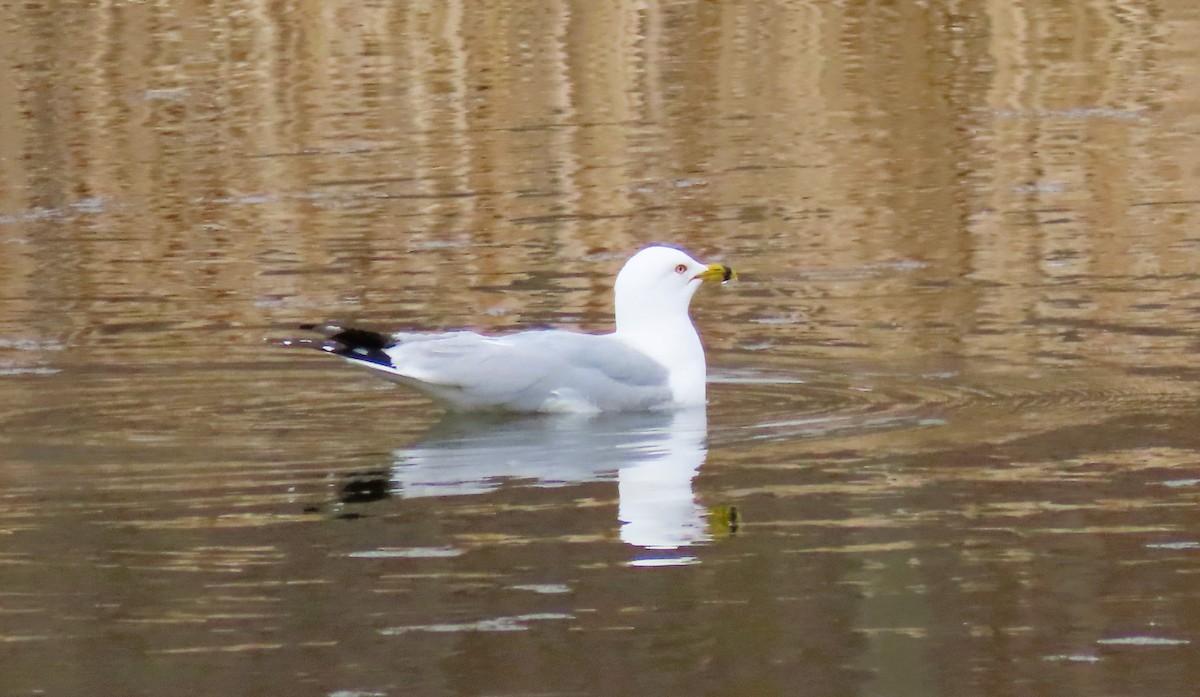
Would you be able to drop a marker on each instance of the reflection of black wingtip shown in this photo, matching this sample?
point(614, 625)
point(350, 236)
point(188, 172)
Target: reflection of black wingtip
point(373, 486)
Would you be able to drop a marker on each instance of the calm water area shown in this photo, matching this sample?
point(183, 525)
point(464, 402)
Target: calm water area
point(952, 442)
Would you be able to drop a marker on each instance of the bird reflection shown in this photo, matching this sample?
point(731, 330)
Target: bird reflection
point(652, 456)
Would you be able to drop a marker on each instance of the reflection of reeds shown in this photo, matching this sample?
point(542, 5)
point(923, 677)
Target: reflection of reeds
point(440, 151)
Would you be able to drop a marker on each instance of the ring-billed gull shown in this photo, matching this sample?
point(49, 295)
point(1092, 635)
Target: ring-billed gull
point(653, 359)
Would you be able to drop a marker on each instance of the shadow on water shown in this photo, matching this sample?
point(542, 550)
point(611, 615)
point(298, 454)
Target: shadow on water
point(652, 457)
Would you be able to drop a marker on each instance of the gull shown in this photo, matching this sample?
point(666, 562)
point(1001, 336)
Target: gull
point(653, 360)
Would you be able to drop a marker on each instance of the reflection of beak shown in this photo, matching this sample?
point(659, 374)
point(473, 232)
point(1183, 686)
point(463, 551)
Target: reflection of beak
point(716, 272)
point(723, 521)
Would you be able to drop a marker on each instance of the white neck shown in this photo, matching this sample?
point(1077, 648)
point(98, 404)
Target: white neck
point(667, 336)
point(652, 294)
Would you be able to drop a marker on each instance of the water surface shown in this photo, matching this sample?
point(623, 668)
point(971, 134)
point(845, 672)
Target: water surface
point(952, 442)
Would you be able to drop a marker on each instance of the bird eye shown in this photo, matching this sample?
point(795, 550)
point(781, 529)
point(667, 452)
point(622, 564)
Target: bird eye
point(681, 268)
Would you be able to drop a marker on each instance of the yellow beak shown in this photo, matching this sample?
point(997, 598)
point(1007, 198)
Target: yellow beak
point(717, 272)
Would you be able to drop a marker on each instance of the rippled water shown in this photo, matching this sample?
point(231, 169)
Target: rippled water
point(952, 445)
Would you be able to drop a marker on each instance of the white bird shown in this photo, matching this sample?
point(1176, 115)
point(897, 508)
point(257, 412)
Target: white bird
point(653, 360)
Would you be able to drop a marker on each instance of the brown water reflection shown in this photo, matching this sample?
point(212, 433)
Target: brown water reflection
point(954, 394)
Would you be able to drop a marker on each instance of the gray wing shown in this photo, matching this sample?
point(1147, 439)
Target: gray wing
point(529, 371)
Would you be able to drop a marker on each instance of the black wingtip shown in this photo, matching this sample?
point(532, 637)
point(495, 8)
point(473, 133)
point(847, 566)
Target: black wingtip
point(362, 339)
point(351, 342)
